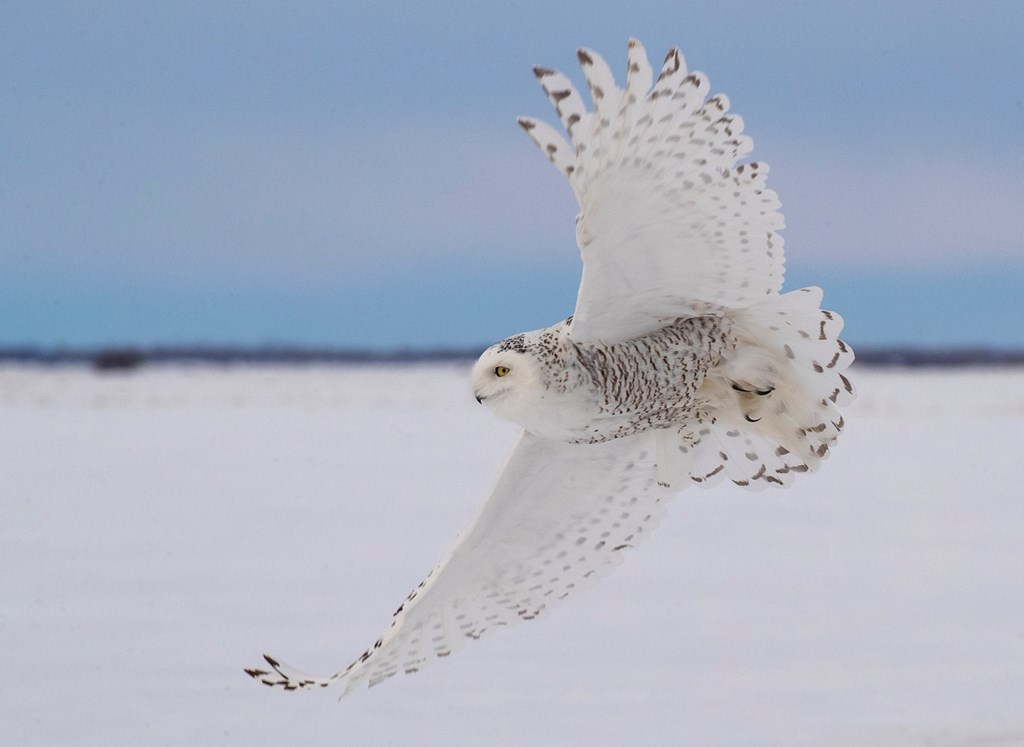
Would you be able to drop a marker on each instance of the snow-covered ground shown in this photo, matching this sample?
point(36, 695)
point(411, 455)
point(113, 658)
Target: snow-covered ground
point(162, 529)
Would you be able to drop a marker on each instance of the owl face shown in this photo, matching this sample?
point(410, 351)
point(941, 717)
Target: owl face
point(507, 379)
point(524, 379)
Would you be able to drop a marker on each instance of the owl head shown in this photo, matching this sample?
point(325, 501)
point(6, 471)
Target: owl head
point(508, 379)
point(522, 379)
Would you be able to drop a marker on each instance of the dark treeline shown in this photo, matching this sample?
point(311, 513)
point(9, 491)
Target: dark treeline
point(110, 358)
point(133, 357)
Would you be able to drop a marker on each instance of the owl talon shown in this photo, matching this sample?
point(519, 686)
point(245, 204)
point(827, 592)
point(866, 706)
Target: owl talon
point(758, 392)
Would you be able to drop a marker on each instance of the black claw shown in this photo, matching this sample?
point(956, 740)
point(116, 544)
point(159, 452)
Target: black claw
point(751, 420)
point(271, 662)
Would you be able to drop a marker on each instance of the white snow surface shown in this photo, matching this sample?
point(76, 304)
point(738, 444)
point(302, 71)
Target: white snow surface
point(160, 530)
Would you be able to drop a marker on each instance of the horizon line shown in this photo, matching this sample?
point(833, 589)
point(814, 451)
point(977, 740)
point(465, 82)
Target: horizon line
point(124, 357)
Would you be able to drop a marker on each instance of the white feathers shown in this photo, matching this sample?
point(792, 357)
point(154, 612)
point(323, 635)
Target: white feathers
point(682, 364)
point(551, 143)
point(558, 519)
point(639, 75)
point(563, 96)
point(601, 82)
point(654, 169)
point(771, 410)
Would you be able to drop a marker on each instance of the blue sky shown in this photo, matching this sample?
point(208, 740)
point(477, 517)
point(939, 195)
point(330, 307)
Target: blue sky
point(351, 174)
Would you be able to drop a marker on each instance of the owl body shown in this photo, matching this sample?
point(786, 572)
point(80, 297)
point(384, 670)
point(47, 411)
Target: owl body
point(683, 363)
point(591, 392)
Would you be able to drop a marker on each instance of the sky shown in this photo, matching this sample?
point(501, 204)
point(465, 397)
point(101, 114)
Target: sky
point(350, 174)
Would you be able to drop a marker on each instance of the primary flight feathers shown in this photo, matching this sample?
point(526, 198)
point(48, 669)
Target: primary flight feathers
point(666, 216)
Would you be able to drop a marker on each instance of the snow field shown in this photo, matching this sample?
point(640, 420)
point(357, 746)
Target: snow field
point(160, 530)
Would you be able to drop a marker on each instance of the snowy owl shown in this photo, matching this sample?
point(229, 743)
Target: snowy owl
point(682, 364)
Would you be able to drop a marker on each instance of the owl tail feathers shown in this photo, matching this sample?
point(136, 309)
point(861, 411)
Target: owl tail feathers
point(783, 382)
point(771, 408)
point(287, 678)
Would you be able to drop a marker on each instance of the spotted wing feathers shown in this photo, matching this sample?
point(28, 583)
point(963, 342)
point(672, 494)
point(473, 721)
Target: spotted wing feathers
point(558, 519)
point(550, 142)
point(667, 216)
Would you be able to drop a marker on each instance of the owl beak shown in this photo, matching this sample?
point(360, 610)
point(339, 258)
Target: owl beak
point(479, 399)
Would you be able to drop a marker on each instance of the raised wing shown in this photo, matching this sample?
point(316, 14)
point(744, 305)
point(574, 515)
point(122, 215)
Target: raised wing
point(558, 518)
point(669, 222)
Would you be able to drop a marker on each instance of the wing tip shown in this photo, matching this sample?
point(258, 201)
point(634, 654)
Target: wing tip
point(673, 64)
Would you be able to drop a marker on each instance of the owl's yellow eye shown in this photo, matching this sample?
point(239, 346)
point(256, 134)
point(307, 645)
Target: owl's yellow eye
point(502, 371)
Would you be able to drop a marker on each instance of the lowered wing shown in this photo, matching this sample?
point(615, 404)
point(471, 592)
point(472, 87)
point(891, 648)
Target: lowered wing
point(558, 518)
